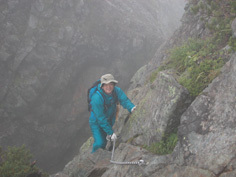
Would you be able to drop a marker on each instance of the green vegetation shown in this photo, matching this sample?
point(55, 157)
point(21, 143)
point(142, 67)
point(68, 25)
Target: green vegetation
point(165, 146)
point(86, 145)
point(232, 43)
point(15, 162)
point(198, 61)
point(154, 75)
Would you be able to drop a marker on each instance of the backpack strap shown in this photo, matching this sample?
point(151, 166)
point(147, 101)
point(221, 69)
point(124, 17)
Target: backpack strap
point(114, 95)
point(104, 100)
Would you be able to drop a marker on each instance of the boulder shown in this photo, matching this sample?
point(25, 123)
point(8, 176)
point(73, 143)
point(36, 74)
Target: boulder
point(159, 107)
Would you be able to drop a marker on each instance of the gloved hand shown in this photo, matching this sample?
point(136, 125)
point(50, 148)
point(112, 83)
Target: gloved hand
point(108, 138)
point(132, 110)
point(113, 137)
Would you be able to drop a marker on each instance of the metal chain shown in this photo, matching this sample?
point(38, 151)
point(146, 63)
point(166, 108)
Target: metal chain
point(140, 162)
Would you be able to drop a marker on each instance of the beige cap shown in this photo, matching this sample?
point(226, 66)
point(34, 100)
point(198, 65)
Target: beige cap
point(107, 78)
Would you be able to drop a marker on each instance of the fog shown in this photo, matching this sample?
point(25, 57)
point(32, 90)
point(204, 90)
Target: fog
point(53, 50)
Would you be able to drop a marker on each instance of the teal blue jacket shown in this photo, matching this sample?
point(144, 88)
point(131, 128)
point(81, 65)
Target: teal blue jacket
point(105, 118)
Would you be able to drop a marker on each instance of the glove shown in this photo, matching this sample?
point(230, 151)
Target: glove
point(113, 137)
point(108, 138)
point(132, 110)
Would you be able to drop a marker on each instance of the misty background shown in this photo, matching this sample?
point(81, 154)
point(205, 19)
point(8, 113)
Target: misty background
point(51, 51)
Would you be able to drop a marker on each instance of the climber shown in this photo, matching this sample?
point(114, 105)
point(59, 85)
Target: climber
point(103, 110)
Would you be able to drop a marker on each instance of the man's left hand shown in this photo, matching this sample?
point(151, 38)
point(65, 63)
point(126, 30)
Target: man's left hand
point(132, 110)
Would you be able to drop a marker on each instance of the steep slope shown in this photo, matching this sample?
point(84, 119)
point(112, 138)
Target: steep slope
point(50, 53)
point(203, 118)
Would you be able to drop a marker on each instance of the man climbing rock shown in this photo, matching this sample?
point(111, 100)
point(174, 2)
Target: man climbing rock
point(103, 110)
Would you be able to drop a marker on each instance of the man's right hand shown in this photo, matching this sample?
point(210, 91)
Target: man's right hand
point(111, 137)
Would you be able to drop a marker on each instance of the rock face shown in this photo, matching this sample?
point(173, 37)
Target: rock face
point(206, 125)
point(51, 51)
point(159, 107)
point(207, 128)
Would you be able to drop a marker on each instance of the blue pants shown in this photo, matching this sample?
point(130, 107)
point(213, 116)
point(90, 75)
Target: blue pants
point(99, 136)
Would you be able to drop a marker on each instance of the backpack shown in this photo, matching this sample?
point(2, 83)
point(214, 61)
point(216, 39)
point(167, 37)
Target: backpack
point(92, 90)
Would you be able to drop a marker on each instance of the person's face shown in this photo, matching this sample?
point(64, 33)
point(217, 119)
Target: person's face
point(108, 88)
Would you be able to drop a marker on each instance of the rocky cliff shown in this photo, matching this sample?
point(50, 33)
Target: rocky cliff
point(51, 51)
point(203, 119)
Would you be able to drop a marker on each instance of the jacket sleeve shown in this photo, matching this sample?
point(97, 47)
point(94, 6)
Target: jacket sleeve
point(97, 103)
point(123, 99)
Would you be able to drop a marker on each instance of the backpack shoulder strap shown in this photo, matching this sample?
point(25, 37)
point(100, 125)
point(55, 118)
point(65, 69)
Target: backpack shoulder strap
point(104, 100)
point(100, 93)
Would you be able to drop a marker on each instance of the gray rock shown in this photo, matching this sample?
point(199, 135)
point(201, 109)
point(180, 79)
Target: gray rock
point(207, 131)
point(87, 164)
point(182, 171)
point(159, 107)
point(228, 174)
point(233, 26)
